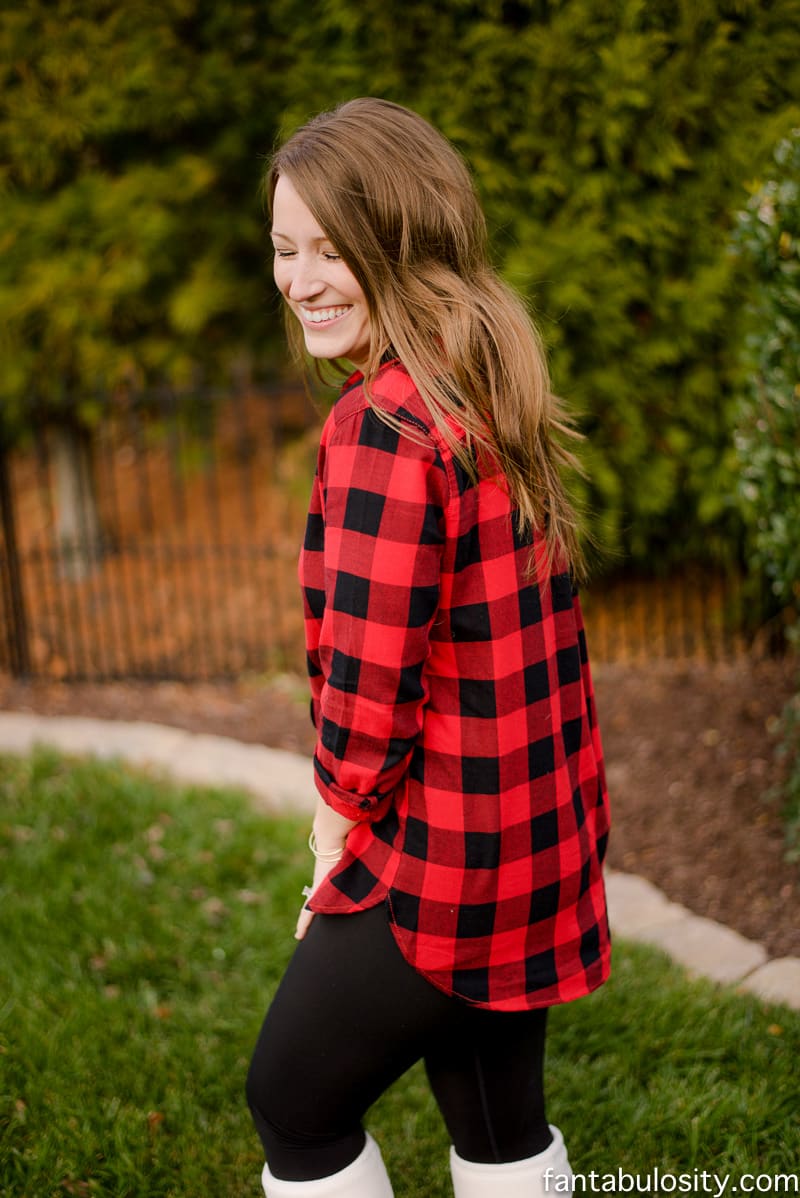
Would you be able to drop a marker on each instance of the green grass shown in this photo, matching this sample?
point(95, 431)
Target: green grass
point(143, 929)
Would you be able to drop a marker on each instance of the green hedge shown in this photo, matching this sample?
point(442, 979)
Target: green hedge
point(768, 430)
point(768, 426)
point(612, 143)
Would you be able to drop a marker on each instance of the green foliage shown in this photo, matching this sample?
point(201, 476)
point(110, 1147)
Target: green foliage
point(768, 432)
point(611, 143)
point(144, 929)
point(787, 792)
point(132, 242)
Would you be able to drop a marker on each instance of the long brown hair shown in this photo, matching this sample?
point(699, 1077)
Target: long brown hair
point(398, 203)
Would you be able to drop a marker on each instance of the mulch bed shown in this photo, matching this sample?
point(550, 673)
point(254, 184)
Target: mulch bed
point(690, 755)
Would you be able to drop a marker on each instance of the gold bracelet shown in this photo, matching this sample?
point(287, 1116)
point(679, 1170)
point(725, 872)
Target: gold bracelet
point(331, 857)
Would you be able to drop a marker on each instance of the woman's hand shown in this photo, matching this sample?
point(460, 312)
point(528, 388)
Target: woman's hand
point(321, 871)
point(327, 843)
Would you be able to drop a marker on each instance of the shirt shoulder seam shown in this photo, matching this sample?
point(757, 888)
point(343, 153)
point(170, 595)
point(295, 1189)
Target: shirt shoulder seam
point(438, 445)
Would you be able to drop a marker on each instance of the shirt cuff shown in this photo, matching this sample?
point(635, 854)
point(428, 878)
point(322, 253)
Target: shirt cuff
point(362, 808)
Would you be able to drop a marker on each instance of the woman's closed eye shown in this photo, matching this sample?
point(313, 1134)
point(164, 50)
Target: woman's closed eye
point(328, 255)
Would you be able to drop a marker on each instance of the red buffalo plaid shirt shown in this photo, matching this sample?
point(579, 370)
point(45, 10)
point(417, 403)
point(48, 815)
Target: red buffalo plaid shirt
point(455, 715)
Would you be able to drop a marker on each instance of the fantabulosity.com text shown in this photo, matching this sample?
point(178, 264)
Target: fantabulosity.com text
point(694, 1181)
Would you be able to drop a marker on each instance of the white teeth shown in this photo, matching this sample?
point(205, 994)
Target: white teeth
point(320, 315)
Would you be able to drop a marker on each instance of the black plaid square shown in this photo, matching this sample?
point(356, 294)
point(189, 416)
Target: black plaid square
point(356, 881)
point(544, 831)
point(315, 598)
point(541, 757)
point(345, 672)
point(573, 735)
point(416, 839)
point(477, 698)
point(423, 602)
point(537, 682)
point(473, 984)
point(352, 595)
point(376, 434)
point(471, 622)
point(315, 531)
point(363, 511)
point(334, 738)
point(476, 920)
point(544, 902)
point(569, 665)
point(530, 607)
point(481, 850)
point(562, 593)
point(480, 775)
point(540, 970)
point(405, 910)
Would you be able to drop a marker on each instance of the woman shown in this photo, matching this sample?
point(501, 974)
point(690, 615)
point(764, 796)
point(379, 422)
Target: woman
point(462, 813)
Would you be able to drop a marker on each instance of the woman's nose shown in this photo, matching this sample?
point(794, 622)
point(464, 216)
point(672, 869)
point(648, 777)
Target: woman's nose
point(305, 283)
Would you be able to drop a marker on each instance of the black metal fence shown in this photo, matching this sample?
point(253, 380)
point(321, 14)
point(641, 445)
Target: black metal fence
point(163, 544)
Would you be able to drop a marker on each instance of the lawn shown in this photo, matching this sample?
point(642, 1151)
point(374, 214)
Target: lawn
point(143, 929)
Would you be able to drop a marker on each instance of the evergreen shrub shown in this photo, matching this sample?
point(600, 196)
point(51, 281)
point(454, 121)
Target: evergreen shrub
point(768, 430)
point(611, 144)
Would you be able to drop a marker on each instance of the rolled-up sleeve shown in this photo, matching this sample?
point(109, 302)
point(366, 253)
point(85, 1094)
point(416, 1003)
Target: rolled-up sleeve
point(370, 570)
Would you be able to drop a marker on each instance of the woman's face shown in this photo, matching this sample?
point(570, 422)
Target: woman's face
point(316, 283)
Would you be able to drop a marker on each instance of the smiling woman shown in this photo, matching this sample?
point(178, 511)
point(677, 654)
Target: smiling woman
point(462, 815)
point(316, 282)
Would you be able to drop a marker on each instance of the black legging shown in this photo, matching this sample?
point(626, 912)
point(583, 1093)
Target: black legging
point(349, 1017)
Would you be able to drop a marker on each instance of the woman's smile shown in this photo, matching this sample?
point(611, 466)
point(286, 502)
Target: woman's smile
point(323, 316)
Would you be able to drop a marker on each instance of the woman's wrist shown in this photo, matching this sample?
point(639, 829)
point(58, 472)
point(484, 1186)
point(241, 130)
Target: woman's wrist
point(329, 832)
point(330, 854)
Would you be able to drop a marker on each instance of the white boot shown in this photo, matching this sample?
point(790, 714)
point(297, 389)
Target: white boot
point(365, 1177)
point(547, 1173)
